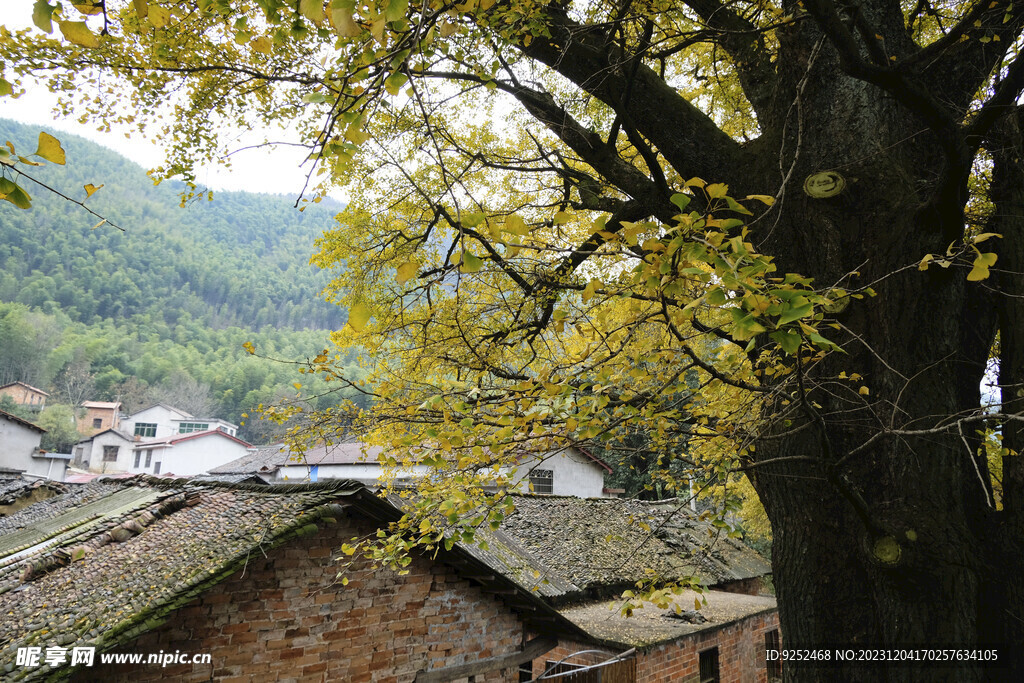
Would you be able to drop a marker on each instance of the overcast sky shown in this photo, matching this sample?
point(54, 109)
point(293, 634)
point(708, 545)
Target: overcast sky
point(275, 171)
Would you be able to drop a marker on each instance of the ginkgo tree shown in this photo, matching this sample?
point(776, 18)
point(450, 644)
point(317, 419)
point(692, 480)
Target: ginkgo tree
point(738, 228)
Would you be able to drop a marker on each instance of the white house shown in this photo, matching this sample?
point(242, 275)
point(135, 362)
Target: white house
point(569, 472)
point(20, 451)
point(162, 421)
point(106, 451)
point(186, 454)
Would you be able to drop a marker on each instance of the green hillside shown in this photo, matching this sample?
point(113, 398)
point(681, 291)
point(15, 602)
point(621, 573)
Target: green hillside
point(165, 305)
point(242, 259)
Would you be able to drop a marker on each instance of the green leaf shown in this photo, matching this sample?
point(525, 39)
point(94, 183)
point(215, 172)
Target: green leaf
point(42, 15)
point(681, 200)
point(393, 84)
point(312, 10)
point(50, 149)
point(789, 341)
point(737, 207)
point(314, 98)
point(471, 263)
point(358, 316)
point(6, 88)
point(471, 220)
point(396, 10)
point(9, 191)
point(795, 313)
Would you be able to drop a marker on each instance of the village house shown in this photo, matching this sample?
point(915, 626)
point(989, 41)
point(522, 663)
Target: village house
point(569, 472)
point(99, 416)
point(160, 421)
point(104, 452)
point(249, 576)
point(25, 395)
point(160, 439)
point(186, 454)
point(20, 450)
point(580, 555)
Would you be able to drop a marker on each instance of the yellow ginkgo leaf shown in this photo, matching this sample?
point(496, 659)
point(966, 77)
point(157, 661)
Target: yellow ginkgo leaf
point(406, 272)
point(262, 44)
point(159, 16)
point(50, 149)
point(78, 33)
point(981, 266)
point(91, 189)
point(358, 316)
point(141, 8)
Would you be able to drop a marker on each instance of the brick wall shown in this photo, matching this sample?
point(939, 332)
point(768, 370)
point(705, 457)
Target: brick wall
point(287, 617)
point(741, 654)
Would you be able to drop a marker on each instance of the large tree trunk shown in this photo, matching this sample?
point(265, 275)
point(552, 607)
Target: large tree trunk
point(882, 538)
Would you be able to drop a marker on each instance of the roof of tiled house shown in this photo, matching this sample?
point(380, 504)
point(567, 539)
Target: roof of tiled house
point(27, 386)
point(596, 547)
point(650, 625)
point(106, 561)
point(263, 459)
point(23, 422)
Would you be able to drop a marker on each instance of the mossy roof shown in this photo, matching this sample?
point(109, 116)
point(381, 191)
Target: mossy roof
point(587, 548)
point(107, 561)
point(650, 625)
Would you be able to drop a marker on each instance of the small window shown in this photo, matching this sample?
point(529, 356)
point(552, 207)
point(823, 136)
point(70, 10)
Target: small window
point(149, 456)
point(156, 468)
point(190, 427)
point(110, 453)
point(709, 666)
point(542, 481)
point(771, 643)
point(97, 422)
point(145, 429)
point(138, 458)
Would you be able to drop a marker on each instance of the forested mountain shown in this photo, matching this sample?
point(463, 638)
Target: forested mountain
point(160, 310)
point(242, 259)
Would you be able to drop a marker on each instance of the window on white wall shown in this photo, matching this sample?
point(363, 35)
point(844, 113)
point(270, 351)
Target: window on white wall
point(149, 456)
point(190, 427)
point(542, 481)
point(145, 429)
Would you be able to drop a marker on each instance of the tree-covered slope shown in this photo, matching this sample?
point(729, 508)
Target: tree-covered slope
point(242, 259)
point(161, 310)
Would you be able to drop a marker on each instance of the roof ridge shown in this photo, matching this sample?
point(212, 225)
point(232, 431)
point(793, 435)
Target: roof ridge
point(183, 482)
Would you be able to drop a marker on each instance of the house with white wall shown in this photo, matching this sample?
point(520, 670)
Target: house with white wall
point(20, 451)
point(568, 472)
point(186, 454)
point(107, 451)
point(162, 421)
point(161, 439)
